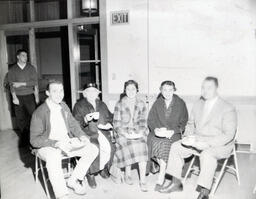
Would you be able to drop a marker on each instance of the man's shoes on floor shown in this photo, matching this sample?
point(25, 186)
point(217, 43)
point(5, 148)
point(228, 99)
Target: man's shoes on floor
point(104, 173)
point(172, 188)
point(77, 186)
point(91, 181)
point(143, 187)
point(128, 180)
point(204, 193)
point(203, 196)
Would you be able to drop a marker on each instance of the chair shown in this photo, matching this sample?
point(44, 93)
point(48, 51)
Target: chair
point(224, 167)
point(39, 166)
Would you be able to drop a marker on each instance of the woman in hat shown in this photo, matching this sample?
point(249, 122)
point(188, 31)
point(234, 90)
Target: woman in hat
point(167, 119)
point(131, 142)
point(95, 119)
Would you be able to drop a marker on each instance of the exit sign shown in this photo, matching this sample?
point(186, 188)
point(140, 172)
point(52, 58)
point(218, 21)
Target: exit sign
point(119, 17)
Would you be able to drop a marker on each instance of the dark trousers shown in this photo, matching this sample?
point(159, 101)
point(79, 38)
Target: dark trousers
point(23, 113)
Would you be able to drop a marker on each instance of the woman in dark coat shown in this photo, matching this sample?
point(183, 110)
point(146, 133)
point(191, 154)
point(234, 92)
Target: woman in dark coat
point(167, 120)
point(95, 120)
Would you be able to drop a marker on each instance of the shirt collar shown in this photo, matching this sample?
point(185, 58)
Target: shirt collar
point(212, 101)
point(53, 105)
point(21, 67)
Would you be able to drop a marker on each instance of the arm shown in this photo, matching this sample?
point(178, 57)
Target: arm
point(38, 136)
point(11, 79)
point(36, 94)
point(190, 127)
point(183, 118)
point(117, 121)
point(229, 126)
point(151, 119)
point(33, 81)
point(79, 116)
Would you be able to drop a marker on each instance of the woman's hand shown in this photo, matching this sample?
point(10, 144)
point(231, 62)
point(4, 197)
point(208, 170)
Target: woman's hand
point(88, 117)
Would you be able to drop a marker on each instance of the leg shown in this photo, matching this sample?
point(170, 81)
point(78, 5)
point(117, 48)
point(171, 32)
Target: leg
point(142, 167)
point(176, 159)
point(162, 171)
point(208, 165)
point(105, 150)
point(127, 175)
point(53, 159)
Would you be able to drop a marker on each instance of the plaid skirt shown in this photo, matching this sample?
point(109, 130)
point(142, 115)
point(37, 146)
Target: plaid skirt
point(161, 148)
point(130, 151)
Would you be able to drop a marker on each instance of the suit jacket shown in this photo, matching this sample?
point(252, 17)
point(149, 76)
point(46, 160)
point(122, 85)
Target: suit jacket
point(219, 127)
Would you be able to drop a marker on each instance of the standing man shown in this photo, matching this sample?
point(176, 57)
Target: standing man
point(210, 132)
point(23, 81)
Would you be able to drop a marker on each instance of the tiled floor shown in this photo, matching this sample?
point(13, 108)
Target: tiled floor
point(17, 181)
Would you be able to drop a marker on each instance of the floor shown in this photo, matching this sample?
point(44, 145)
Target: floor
point(17, 180)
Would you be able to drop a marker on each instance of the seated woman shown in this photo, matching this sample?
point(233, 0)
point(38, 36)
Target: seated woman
point(167, 119)
point(130, 126)
point(95, 120)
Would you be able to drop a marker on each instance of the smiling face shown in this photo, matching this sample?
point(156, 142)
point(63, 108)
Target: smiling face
point(209, 90)
point(131, 91)
point(22, 57)
point(167, 91)
point(91, 94)
point(55, 93)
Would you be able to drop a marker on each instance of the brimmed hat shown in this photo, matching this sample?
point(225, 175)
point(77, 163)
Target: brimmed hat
point(89, 85)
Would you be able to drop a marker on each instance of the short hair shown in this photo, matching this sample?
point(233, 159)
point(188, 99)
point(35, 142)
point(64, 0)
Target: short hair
point(214, 79)
point(53, 81)
point(131, 82)
point(170, 83)
point(18, 52)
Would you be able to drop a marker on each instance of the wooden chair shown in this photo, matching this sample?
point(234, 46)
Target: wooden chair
point(40, 166)
point(224, 167)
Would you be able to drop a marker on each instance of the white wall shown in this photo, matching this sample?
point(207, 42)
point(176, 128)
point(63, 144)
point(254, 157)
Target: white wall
point(184, 40)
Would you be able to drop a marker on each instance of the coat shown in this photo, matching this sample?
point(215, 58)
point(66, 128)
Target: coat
point(40, 126)
point(81, 109)
point(218, 129)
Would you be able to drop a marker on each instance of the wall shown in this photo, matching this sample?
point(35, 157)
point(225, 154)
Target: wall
point(183, 40)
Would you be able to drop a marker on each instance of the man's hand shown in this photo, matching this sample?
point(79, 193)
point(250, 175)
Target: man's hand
point(18, 84)
point(84, 140)
point(16, 101)
point(64, 146)
point(201, 145)
point(37, 99)
point(107, 126)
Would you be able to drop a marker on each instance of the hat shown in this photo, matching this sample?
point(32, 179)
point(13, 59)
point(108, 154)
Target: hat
point(89, 85)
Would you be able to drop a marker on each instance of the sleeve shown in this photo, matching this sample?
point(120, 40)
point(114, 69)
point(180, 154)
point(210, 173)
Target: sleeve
point(33, 80)
point(109, 115)
point(183, 117)
point(11, 79)
point(151, 119)
point(38, 136)
point(190, 127)
point(79, 116)
point(229, 127)
point(117, 121)
point(142, 123)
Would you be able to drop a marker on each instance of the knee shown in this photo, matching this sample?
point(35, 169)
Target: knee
point(94, 150)
point(176, 147)
point(53, 158)
point(207, 157)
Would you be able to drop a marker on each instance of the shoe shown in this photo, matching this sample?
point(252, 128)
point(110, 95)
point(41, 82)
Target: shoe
point(128, 180)
point(77, 186)
point(116, 180)
point(104, 173)
point(158, 187)
point(143, 187)
point(91, 181)
point(172, 188)
point(203, 196)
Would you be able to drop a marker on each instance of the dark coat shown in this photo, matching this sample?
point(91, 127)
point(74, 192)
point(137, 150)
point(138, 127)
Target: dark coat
point(81, 109)
point(40, 126)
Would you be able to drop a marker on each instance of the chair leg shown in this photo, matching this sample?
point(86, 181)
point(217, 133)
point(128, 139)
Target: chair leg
point(36, 168)
point(189, 169)
point(215, 185)
point(44, 179)
point(236, 168)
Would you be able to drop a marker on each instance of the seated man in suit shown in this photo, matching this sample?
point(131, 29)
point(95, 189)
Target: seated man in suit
point(54, 132)
point(210, 131)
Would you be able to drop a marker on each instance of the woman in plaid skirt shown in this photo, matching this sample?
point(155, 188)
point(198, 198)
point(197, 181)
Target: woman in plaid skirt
point(167, 119)
point(130, 125)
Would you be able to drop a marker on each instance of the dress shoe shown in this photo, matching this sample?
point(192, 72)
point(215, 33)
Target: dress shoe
point(77, 186)
point(91, 181)
point(172, 188)
point(143, 187)
point(104, 173)
point(203, 196)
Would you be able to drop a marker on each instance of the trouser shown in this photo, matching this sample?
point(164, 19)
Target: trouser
point(208, 162)
point(105, 150)
point(53, 159)
point(23, 113)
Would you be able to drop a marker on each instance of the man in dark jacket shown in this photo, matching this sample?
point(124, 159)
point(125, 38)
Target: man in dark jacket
point(55, 132)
